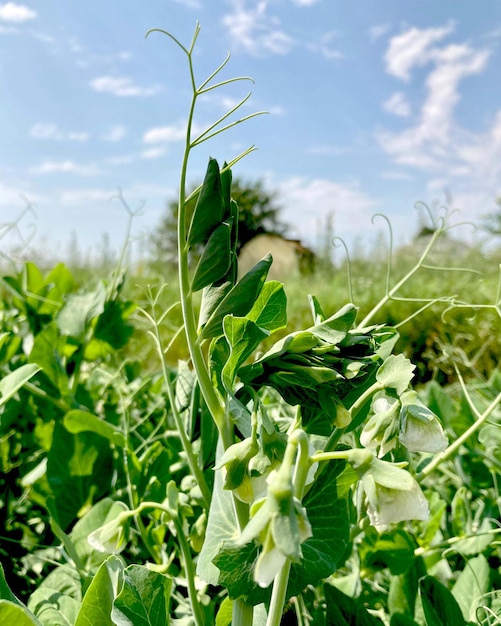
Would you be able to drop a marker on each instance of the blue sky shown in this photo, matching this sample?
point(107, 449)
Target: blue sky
point(373, 106)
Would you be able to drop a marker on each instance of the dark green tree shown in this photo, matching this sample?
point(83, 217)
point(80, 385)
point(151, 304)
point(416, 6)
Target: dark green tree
point(258, 213)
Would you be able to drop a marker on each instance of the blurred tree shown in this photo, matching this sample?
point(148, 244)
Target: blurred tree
point(258, 213)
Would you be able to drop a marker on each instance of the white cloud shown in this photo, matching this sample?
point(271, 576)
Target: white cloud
point(78, 136)
point(308, 203)
point(412, 48)
point(115, 133)
point(190, 4)
point(44, 131)
point(398, 105)
point(18, 13)
point(51, 131)
point(122, 87)
point(324, 46)
point(153, 153)
point(468, 163)
point(167, 134)
point(304, 3)
point(378, 30)
point(254, 31)
point(66, 167)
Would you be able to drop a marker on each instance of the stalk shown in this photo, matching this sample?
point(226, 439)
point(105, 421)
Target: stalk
point(298, 442)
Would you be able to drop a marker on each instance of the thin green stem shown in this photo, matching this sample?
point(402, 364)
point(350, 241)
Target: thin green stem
point(189, 568)
point(297, 445)
point(448, 452)
point(391, 292)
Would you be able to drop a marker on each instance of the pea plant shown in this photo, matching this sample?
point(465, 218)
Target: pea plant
point(273, 476)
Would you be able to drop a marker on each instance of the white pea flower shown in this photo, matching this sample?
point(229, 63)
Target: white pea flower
point(380, 431)
point(420, 428)
point(393, 495)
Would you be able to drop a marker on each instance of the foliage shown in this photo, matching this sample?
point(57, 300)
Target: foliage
point(276, 475)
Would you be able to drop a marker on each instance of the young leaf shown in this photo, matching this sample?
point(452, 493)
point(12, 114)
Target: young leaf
point(215, 260)
point(97, 603)
point(396, 372)
point(11, 383)
point(270, 308)
point(78, 421)
point(243, 337)
point(208, 213)
point(239, 300)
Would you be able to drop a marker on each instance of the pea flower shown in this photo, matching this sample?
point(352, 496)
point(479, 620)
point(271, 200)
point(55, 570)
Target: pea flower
point(380, 432)
point(279, 522)
point(235, 462)
point(393, 495)
point(420, 428)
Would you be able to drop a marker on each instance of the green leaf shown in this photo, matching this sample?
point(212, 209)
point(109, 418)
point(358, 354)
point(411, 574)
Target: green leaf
point(236, 566)
point(221, 528)
point(270, 308)
point(52, 607)
point(334, 328)
point(402, 619)
point(439, 606)
point(11, 383)
point(100, 514)
point(472, 584)
point(144, 598)
point(396, 373)
point(78, 421)
point(215, 260)
point(404, 589)
point(328, 516)
point(208, 213)
point(112, 326)
point(239, 300)
point(46, 354)
point(225, 613)
point(97, 603)
point(243, 337)
point(79, 470)
point(341, 609)
point(80, 309)
point(14, 614)
point(394, 550)
point(5, 591)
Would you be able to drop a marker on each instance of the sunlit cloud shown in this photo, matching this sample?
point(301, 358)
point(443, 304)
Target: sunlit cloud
point(378, 30)
point(16, 13)
point(252, 30)
point(153, 153)
point(310, 201)
point(168, 134)
point(115, 133)
point(66, 167)
point(122, 87)
point(413, 48)
point(468, 162)
point(398, 104)
point(51, 132)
